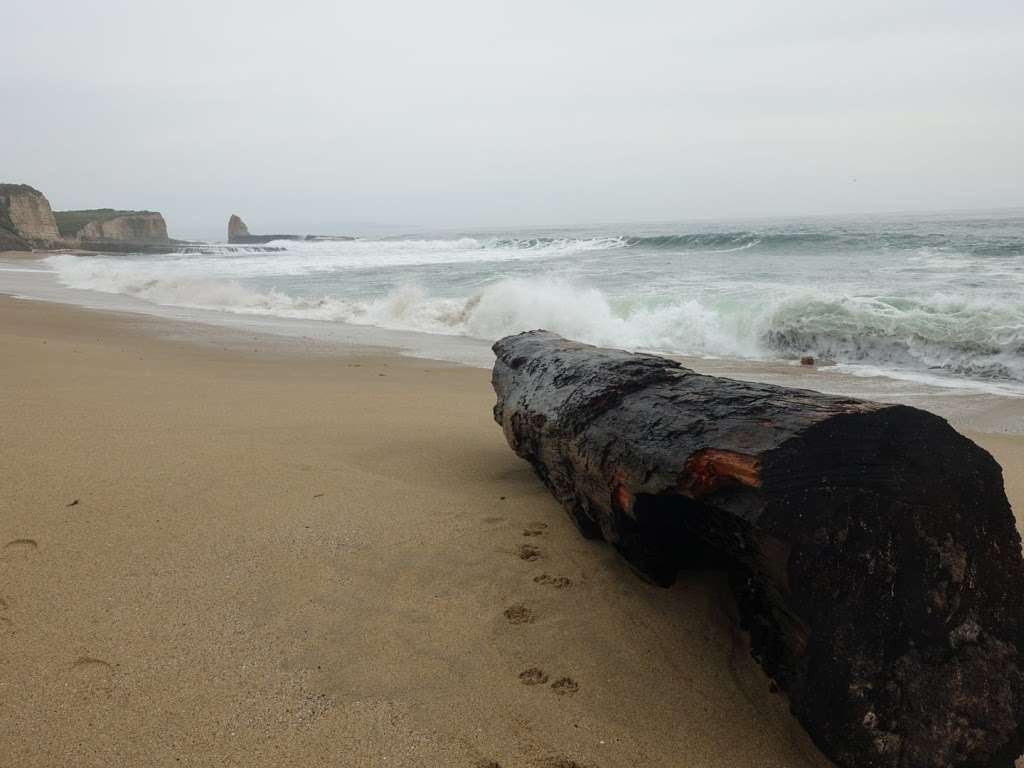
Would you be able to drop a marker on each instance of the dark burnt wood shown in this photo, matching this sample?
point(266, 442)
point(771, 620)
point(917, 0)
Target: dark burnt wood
point(872, 550)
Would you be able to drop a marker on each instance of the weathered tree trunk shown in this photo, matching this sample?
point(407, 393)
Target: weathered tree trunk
point(873, 552)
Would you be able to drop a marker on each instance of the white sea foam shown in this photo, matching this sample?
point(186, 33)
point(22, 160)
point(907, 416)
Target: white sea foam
point(297, 258)
point(945, 315)
point(940, 335)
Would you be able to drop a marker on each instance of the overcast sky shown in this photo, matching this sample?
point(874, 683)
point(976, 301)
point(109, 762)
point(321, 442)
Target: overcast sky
point(318, 115)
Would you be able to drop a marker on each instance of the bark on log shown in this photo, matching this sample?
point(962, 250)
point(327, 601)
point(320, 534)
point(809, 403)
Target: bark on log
point(872, 549)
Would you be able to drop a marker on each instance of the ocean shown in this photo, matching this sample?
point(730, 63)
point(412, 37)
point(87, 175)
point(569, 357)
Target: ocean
point(932, 298)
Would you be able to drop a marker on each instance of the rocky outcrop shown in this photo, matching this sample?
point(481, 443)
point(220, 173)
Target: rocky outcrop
point(27, 221)
point(239, 233)
point(136, 227)
point(107, 229)
point(108, 225)
point(26, 216)
point(11, 242)
point(236, 228)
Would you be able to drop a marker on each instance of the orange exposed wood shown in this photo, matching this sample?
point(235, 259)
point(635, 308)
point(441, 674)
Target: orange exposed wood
point(623, 498)
point(709, 470)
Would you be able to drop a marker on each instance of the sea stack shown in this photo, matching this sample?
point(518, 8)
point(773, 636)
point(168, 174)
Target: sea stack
point(238, 233)
point(237, 229)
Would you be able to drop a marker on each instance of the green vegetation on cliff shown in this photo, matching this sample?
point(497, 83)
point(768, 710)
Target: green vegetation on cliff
point(70, 223)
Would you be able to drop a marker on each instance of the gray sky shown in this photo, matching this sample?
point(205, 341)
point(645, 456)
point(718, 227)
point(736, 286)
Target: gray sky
point(312, 115)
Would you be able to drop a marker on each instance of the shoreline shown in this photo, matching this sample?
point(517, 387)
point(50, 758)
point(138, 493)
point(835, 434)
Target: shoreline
point(238, 556)
point(965, 404)
point(240, 552)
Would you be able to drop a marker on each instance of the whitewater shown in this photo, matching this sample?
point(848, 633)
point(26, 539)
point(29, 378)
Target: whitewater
point(938, 297)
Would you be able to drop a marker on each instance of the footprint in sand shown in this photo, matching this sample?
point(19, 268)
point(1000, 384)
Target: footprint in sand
point(519, 614)
point(527, 552)
point(6, 627)
point(533, 676)
point(88, 662)
point(534, 529)
point(556, 582)
point(564, 762)
point(23, 546)
point(565, 686)
point(486, 764)
point(90, 673)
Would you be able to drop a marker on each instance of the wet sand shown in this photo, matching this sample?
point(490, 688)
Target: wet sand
point(242, 553)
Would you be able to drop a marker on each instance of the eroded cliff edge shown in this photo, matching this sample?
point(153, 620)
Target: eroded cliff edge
point(26, 219)
point(110, 229)
point(28, 222)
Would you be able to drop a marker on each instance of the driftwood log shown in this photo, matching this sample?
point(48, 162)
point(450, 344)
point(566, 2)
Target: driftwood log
point(872, 550)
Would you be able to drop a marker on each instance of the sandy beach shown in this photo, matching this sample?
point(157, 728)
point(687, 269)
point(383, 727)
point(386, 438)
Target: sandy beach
point(238, 553)
point(330, 332)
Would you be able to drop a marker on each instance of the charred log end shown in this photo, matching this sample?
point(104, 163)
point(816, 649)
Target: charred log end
point(915, 655)
point(979, 685)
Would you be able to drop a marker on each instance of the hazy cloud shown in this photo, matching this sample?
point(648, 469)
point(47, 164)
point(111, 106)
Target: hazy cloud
point(314, 115)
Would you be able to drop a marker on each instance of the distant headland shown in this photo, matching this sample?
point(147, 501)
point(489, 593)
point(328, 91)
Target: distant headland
point(27, 222)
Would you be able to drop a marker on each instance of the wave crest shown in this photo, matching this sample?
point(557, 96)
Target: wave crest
point(939, 334)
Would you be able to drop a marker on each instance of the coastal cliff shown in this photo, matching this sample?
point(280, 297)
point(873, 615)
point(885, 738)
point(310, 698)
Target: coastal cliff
point(109, 224)
point(27, 222)
point(26, 218)
point(11, 242)
point(109, 229)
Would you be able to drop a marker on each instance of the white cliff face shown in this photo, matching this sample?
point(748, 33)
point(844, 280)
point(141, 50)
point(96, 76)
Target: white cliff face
point(27, 220)
point(29, 213)
point(134, 227)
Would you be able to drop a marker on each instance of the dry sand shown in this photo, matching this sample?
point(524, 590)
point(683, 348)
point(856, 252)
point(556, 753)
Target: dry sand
point(245, 555)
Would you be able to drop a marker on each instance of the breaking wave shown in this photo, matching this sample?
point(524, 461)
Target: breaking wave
point(938, 333)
